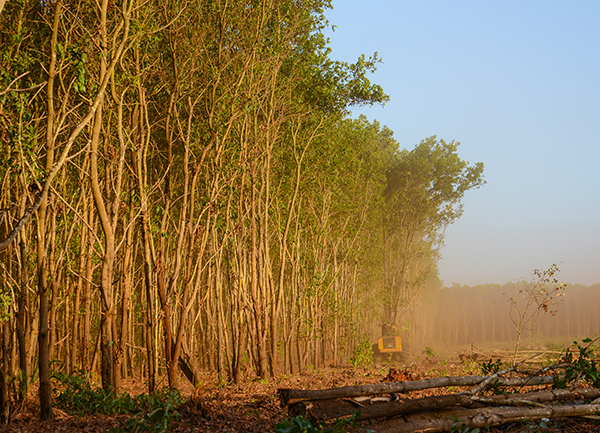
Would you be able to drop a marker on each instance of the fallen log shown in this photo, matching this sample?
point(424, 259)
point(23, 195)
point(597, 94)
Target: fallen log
point(541, 396)
point(395, 408)
point(288, 395)
point(487, 417)
point(492, 378)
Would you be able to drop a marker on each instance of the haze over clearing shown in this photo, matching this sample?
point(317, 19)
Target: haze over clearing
point(517, 83)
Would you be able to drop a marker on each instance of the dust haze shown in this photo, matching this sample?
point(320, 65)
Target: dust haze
point(450, 320)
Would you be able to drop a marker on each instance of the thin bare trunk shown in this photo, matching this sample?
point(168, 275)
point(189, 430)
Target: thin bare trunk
point(22, 323)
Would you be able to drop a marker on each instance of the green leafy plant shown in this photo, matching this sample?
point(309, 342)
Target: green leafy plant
point(300, 424)
point(491, 367)
point(363, 354)
point(154, 413)
point(430, 352)
point(5, 310)
point(584, 367)
point(74, 394)
point(295, 425)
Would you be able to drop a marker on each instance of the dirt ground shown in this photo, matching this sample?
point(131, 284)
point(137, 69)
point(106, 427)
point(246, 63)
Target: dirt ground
point(254, 406)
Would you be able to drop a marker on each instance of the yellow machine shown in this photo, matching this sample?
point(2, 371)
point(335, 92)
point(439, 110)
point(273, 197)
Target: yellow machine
point(389, 344)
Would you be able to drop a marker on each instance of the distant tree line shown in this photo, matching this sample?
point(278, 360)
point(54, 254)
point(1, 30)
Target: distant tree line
point(464, 315)
point(182, 190)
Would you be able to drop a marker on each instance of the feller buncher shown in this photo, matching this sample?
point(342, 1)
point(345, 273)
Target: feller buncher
point(389, 344)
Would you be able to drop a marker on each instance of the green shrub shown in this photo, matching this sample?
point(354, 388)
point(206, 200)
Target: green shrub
point(154, 413)
point(363, 354)
point(299, 424)
point(74, 394)
point(584, 367)
point(430, 352)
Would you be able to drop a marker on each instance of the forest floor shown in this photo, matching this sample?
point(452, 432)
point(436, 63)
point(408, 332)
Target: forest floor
point(254, 406)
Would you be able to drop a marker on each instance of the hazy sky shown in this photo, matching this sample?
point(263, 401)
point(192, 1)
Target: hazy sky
point(518, 84)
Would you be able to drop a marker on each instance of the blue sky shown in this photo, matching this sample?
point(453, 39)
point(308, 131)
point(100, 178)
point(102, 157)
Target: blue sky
point(518, 84)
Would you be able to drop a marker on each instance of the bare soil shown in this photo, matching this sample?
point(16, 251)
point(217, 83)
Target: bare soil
point(253, 406)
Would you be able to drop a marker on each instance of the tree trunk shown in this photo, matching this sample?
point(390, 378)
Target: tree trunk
point(137, 156)
point(106, 286)
point(166, 314)
point(85, 334)
point(45, 390)
point(149, 329)
point(126, 288)
point(53, 285)
point(78, 288)
point(5, 343)
point(22, 323)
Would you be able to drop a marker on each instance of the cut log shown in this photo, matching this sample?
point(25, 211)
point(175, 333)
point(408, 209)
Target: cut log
point(541, 396)
point(288, 396)
point(395, 408)
point(481, 418)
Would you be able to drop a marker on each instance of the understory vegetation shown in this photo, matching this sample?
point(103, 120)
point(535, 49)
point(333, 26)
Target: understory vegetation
point(166, 410)
point(75, 394)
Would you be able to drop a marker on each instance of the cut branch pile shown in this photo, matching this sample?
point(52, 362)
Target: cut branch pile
point(384, 410)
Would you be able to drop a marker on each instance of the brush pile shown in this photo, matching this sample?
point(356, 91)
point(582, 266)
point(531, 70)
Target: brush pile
point(570, 388)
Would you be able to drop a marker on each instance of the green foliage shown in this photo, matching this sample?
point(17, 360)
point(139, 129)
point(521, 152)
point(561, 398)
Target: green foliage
point(423, 195)
point(299, 424)
point(296, 425)
point(5, 307)
point(74, 394)
point(78, 58)
point(152, 413)
point(363, 354)
point(431, 179)
point(584, 367)
point(430, 352)
point(156, 413)
point(491, 367)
